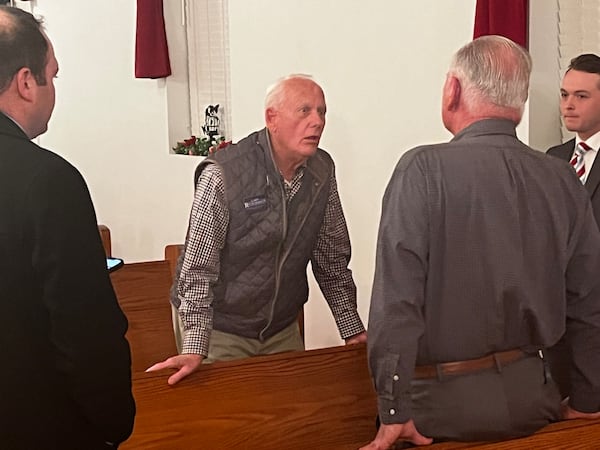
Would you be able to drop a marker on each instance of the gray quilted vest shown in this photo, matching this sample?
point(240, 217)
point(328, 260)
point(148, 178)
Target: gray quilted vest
point(262, 285)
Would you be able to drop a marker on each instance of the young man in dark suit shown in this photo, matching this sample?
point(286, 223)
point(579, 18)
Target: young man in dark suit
point(66, 380)
point(580, 109)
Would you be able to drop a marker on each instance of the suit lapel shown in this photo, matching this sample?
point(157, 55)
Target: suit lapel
point(565, 151)
point(593, 179)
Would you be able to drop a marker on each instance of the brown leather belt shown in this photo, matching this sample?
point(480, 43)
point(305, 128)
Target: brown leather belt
point(496, 360)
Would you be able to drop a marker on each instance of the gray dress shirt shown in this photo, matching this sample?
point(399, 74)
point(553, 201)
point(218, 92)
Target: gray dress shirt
point(484, 245)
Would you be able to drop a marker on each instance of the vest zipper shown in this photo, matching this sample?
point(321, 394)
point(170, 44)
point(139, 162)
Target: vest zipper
point(278, 263)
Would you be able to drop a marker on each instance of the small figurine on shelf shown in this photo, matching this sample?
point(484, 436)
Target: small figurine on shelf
point(202, 146)
point(211, 122)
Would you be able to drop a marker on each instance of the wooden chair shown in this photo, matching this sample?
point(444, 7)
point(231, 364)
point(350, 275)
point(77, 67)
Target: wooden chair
point(172, 253)
point(105, 236)
point(143, 293)
point(317, 399)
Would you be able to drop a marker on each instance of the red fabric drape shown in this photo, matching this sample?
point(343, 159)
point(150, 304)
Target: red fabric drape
point(151, 50)
point(508, 18)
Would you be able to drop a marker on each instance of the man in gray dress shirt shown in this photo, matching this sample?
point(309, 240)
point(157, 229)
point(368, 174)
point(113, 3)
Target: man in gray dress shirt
point(487, 252)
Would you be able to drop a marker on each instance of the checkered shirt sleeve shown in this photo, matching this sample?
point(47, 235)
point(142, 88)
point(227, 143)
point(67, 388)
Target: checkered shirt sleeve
point(330, 260)
point(207, 230)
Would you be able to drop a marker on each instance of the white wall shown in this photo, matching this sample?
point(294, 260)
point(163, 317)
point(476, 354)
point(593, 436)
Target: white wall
point(381, 63)
point(113, 127)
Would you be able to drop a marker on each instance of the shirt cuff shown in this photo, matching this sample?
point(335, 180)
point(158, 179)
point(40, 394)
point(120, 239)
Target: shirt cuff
point(585, 402)
point(195, 342)
point(349, 324)
point(394, 411)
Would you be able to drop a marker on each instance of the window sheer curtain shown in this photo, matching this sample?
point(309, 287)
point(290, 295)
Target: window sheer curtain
point(207, 33)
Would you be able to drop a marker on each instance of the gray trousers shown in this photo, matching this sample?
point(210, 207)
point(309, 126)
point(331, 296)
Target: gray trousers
point(515, 400)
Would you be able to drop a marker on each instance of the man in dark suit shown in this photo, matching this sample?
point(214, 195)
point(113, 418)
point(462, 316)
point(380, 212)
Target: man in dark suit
point(580, 109)
point(65, 379)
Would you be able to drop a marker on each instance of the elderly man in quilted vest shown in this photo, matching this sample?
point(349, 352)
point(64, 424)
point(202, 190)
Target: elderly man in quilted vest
point(263, 209)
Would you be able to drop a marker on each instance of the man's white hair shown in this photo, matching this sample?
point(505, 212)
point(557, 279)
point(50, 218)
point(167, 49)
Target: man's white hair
point(493, 69)
point(275, 92)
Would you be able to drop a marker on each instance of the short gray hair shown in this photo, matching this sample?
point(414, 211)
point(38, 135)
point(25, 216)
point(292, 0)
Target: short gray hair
point(275, 92)
point(493, 69)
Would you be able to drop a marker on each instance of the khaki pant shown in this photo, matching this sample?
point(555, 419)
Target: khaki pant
point(177, 328)
point(225, 346)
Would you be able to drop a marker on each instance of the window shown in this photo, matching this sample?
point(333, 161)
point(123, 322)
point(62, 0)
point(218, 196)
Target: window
point(198, 36)
point(577, 34)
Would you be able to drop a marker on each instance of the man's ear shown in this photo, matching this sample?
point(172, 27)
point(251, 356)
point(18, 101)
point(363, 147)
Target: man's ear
point(455, 92)
point(270, 115)
point(26, 84)
point(452, 93)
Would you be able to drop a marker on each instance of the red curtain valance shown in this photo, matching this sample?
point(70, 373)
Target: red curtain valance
point(151, 50)
point(508, 18)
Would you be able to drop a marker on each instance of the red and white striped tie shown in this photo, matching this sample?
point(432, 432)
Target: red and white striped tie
point(577, 160)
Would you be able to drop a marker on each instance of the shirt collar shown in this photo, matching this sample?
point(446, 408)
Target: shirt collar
point(15, 122)
point(299, 170)
point(593, 141)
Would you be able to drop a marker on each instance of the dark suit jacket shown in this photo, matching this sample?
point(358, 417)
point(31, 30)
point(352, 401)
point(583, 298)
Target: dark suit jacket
point(559, 356)
point(565, 151)
point(65, 373)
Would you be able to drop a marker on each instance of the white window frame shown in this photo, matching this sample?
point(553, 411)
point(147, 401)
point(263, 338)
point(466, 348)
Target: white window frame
point(198, 38)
